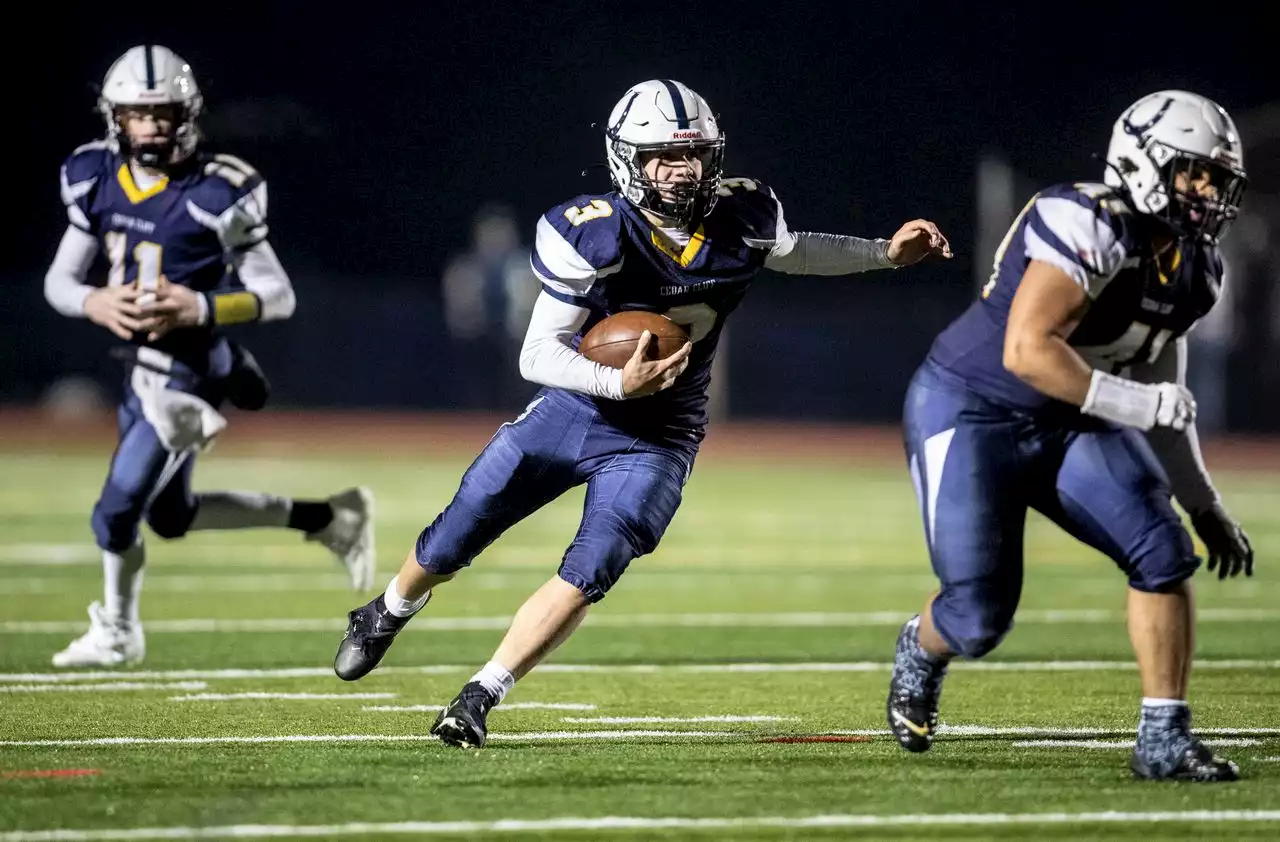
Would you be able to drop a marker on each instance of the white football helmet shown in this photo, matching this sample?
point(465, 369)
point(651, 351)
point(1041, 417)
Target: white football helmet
point(145, 77)
point(1168, 132)
point(663, 114)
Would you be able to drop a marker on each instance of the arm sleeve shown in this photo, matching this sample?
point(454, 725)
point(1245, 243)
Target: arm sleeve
point(1179, 453)
point(805, 253)
point(64, 284)
point(548, 356)
point(260, 273)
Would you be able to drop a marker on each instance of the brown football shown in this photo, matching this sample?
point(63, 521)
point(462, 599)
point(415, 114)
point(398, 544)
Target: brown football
point(613, 340)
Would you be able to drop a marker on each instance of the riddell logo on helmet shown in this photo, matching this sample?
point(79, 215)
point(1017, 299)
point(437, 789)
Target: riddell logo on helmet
point(688, 135)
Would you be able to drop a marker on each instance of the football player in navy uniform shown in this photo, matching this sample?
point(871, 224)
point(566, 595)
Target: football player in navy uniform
point(1062, 389)
point(184, 235)
point(673, 237)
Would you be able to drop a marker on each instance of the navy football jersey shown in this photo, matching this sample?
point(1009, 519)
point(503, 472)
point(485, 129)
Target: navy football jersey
point(1090, 232)
point(600, 252)
point(186, 226)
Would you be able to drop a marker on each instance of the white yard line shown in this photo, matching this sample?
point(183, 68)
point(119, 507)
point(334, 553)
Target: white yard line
point(253, 695)
point(499, 709)
point(1052, 731)
point(519, 737)
point(545, 669)
point(658, 720)
point(1106, 744)
point(320, 581)
point(630, 823)
point(798, 619)
point(104, 687)
point(607, 734)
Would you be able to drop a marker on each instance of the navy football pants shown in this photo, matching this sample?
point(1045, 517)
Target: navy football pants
point(978, 467)
point(634, 487)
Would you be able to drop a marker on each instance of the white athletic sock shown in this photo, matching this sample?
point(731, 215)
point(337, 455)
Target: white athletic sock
point(122, 581)
point(241, 510)
point(398, 605)
point(1161, 703)
point(495, 678)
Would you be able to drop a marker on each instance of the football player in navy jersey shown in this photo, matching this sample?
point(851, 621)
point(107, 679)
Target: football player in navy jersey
point(185, 237)
point(673, 237)
point(1062, 389)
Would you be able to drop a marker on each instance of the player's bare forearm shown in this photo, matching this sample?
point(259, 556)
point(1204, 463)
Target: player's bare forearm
point(1049, 365)
point(1046, 308)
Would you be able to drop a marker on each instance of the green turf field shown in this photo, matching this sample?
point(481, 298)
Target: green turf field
point(769, 612)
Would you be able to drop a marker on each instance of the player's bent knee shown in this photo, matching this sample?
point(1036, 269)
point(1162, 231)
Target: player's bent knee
point(170, 523)
point(1162, 572)
point(114, 529)
point(1163, 560)
point(603, 550)
point(442, 549)
point(973, 619)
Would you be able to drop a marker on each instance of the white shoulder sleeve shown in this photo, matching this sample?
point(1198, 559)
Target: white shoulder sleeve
point(1179, 453)
point(548, 356)
point(261, 273)
point(1072, 237)
point(64, 284)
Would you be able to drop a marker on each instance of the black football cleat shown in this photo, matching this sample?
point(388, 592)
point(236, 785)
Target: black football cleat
point(462, 722)
point(371, 629)
point(1194, 763)
point(912, 706)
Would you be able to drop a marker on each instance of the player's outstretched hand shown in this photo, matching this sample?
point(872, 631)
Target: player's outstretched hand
point(642, 376)
point(917, 240)
point(117, 309)
point(1228, 547)
point(174, 306)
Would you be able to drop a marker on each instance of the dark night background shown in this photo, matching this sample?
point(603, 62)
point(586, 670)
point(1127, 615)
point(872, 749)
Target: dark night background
point(381, 129)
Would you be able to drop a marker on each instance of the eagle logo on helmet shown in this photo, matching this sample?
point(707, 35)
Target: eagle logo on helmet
point(1166, 138)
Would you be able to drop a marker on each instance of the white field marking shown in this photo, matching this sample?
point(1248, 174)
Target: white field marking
point(1118, 743)
point(253, 695)
point(799, 619)
point(623, 823)
point(525, 736)
point(1050, 731)
point(107, 687)
point(1270, 759)
point(59, 555)
point(499, 709)
point(658, 720)
point(450, 669)
point(320, 581)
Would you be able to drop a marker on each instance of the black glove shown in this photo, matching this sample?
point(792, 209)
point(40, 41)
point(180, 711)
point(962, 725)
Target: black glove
point(1228, 546)
point(246, 385)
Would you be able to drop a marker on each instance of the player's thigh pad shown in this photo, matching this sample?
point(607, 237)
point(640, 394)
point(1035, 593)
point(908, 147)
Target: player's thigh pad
point(629, 504)
point(527, 464)
point(1113, 494)
point(137, 467)
point(965, 463)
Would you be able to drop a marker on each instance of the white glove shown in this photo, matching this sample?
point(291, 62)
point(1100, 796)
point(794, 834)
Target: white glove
point(1141, 405)
point(1177, 407)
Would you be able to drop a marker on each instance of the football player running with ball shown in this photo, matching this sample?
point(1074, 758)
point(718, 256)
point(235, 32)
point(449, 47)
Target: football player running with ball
point(1062, 389)
point(674, 237)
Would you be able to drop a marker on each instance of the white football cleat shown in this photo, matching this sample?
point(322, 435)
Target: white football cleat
point(349, 536)
point(109, 642)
